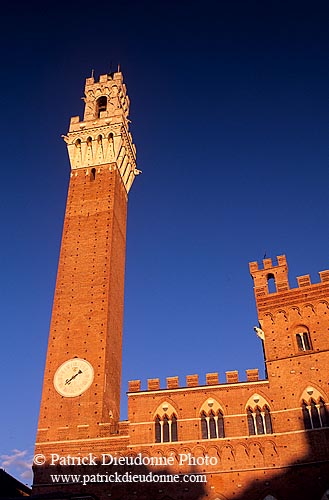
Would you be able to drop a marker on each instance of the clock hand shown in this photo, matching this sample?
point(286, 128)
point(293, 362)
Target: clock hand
point(69, 380)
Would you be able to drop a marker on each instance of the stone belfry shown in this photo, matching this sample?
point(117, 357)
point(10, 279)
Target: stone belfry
point(81, 390)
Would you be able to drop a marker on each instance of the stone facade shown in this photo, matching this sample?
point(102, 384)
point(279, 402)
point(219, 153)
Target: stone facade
point(242, 439)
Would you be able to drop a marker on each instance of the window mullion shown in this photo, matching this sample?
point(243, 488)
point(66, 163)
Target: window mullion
point(169, 423)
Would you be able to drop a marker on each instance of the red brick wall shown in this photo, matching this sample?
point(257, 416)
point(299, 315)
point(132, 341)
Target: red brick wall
point(88, 305)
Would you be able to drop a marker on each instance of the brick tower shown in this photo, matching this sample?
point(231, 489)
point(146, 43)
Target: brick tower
point(81, 390)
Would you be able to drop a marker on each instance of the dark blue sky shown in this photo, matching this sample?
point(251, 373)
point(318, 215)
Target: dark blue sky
point(230, 118)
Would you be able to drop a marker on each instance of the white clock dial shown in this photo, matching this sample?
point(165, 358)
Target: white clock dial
point(73, 377)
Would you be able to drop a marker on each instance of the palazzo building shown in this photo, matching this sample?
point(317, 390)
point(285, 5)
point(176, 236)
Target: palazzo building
point(241, 438)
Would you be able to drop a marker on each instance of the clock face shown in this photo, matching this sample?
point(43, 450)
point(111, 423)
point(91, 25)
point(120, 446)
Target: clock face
point(73, 377)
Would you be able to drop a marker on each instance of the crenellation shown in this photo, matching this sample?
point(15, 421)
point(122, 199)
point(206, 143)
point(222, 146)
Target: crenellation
point(252, 375)
point(153, 384)
point(304, 280)
point(282, 260)
point(134, 385)
point(172, 382)
point(253, 266)
point(267, 263)
point(232, 377)
point(283, 293)
point(324, 276)
point(212, 378)
point(192, 380)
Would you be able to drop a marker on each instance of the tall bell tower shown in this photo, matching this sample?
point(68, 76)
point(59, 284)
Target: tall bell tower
point(81, 390)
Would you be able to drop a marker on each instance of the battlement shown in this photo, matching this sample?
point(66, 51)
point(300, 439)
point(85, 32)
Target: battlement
point(104, 78)
point(279, 273)
point(172, 383)
point(106, 101)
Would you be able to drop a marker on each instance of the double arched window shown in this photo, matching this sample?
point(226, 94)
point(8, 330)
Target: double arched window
point(303, 341)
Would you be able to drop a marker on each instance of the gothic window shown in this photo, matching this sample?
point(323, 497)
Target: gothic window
point(77, 154)
point(101, 105)
point(157, 430)
point(268, 421)
point(306, 416)
point(323, 414)
point(212, 425)
point(251, 422)
point(174, 432)
point(220, 425)
point(166, 429)
point(303, 341)
point(259, 421)
point(204, 426)
point(100, 142)
point(315, 414)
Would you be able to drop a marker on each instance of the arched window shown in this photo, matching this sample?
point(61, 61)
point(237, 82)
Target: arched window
point(174, 432)
point(268, 421)
point(220, 425)
point(251, 422)
point(204, 426)
point(212, 425)
point(259, 420)
point(271, 285)
point(157, 429)
point(323, 413)
point(315, 414)
point(303, 341)
point(101, 105)
point(306, 416)
point(166, 429)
